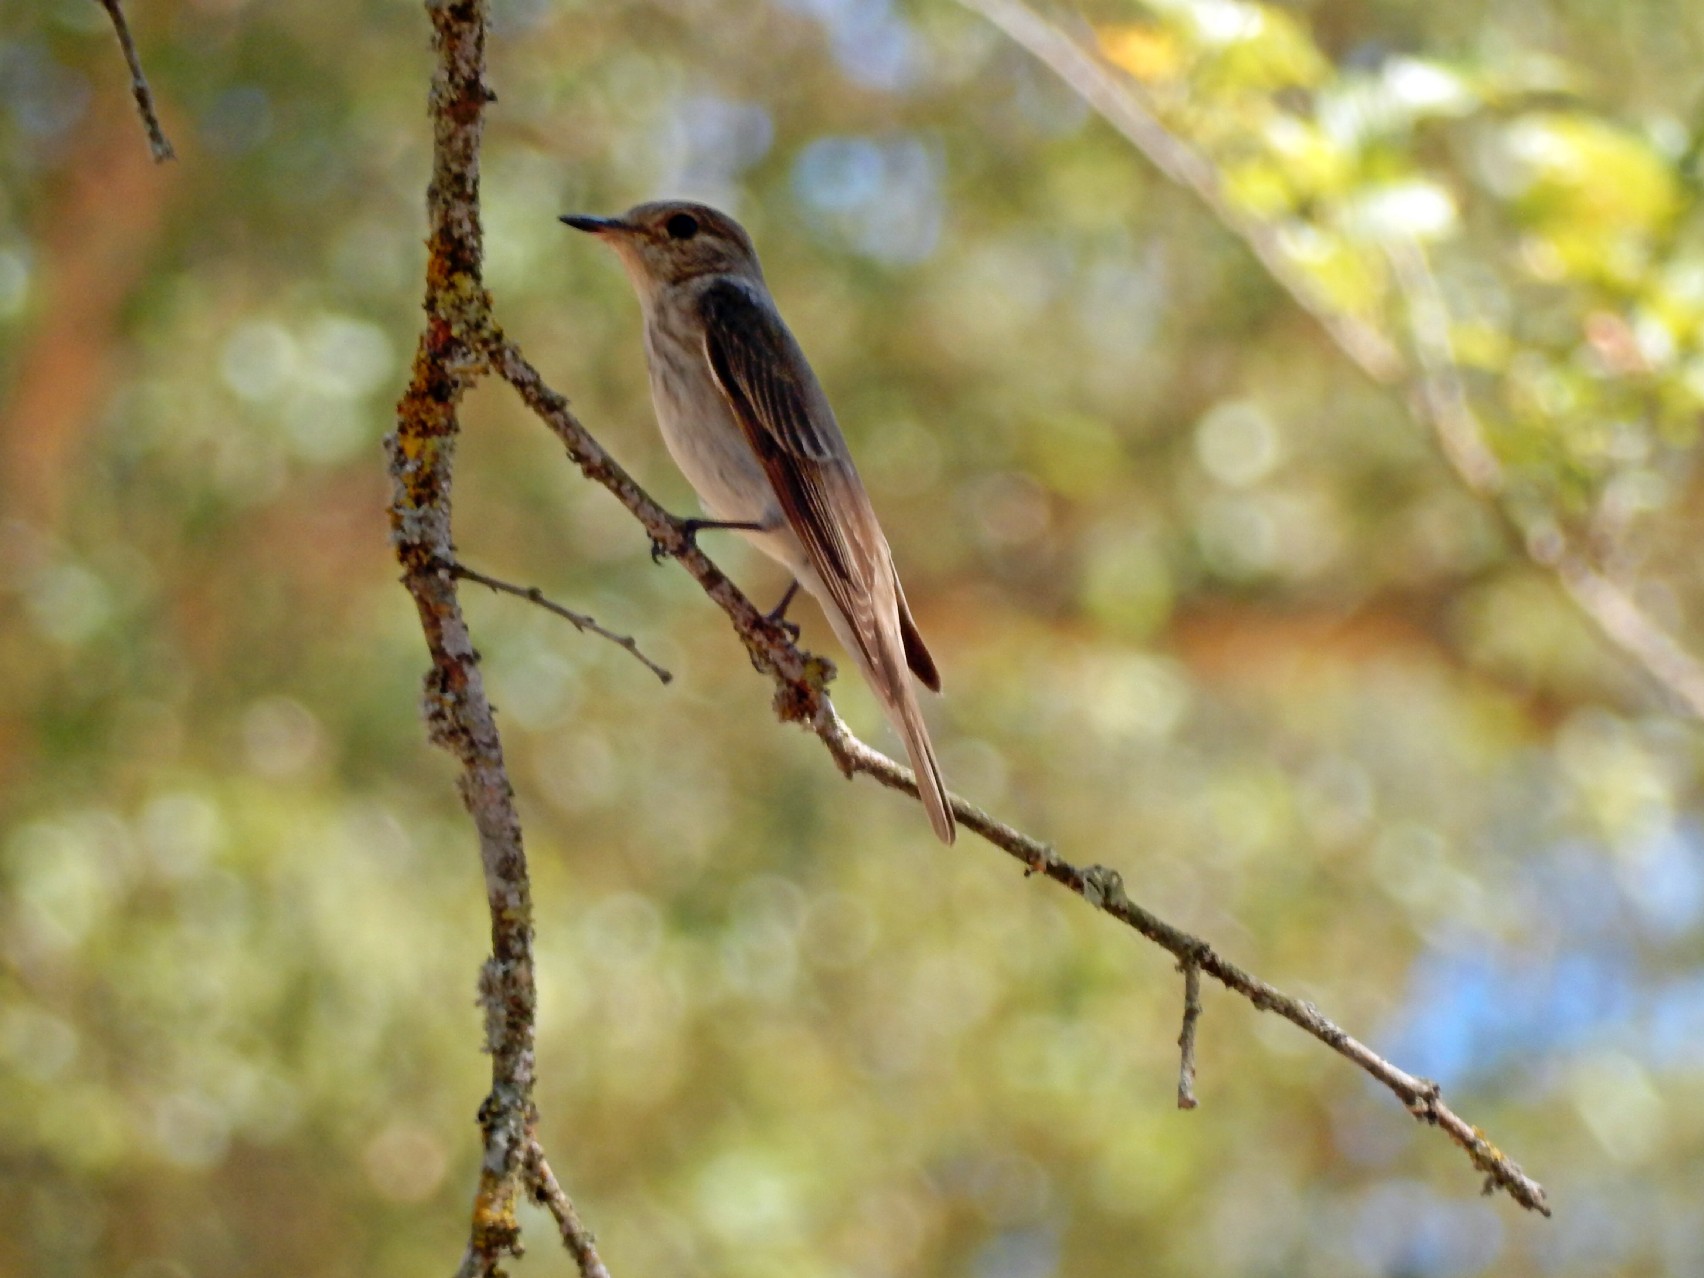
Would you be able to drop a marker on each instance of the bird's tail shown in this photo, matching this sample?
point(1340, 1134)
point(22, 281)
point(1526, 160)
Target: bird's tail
point(888, 669)
point(877, 638)
point(907, 718)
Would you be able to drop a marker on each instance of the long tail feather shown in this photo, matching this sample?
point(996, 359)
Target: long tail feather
point(929, 785)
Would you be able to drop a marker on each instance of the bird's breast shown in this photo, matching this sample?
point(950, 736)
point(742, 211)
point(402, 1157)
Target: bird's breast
point(699, 428)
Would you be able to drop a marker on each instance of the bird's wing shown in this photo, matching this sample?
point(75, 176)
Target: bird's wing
point(780, 406)
point(778, 403)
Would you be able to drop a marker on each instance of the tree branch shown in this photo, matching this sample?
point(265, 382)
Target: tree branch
point(1439, 398)
point(801, 697)
point(1443, 401)
point(1105, 92)
point(575, 1236)
point(457, 711)
point(1104, 890)
point(157, 142)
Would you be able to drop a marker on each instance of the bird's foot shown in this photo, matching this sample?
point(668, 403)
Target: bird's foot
point(777, 616)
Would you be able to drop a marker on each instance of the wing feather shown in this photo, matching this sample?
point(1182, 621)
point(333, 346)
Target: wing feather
point(784, 413)
point(781, 408)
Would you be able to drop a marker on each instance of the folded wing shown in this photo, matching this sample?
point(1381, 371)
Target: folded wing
point(779, 404)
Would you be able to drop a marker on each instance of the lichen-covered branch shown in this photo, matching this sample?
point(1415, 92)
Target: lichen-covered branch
point(457, 711)
point(157, 141)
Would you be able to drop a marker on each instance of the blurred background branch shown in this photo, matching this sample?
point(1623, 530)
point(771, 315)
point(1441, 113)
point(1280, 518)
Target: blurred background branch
point(1437, 392)
point(1111, 96)
point(1443, 400)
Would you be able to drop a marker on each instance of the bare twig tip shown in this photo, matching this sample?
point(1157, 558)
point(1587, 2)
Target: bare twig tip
point(1186, 1040)
point(157, 141)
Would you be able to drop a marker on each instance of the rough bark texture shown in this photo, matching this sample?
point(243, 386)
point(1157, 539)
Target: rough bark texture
point(458, 714)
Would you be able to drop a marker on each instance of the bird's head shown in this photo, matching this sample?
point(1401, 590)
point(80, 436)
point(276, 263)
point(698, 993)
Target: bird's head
point(672, 241)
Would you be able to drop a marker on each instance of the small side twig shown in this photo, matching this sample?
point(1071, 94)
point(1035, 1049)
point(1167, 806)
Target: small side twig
point(157, 142)
point(579, 620)
point(1186, 1040)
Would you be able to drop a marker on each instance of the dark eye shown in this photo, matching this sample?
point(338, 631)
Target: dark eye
point(682, 226)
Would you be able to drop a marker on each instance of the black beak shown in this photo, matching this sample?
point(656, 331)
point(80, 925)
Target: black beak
point(594, 225)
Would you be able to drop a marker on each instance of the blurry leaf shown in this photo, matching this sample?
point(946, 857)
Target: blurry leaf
point(1258, 187)
point(1254, 46)
point(1313, 163)
point(1344, 274)
point(1147, 52)
point(1396, 211)
point(1594, 191)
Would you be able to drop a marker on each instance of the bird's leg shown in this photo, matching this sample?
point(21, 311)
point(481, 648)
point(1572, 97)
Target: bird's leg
point(690, 528)
point(778, 614)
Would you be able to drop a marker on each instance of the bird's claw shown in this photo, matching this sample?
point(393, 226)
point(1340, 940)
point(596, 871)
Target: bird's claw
point(688, 530)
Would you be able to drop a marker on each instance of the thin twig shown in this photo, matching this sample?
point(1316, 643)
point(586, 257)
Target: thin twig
point(1104, 889)
point(157, 142)
point(579, 620)
point(575, 1236)
point(1186, 1039)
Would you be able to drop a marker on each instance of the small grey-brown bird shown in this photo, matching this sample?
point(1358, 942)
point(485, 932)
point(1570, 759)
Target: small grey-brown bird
point(748, 424)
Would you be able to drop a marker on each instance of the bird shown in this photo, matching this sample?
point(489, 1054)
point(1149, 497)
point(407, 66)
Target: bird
point(748, 424)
